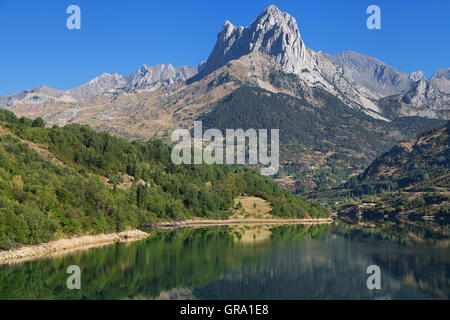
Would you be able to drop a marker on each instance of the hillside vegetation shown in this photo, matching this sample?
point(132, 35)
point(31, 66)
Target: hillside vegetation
point(68, 181)
point(412, 179)
point(322, 140)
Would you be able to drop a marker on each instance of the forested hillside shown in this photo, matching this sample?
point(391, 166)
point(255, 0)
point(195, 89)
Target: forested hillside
point(68, 181)
point(417, 160)
point(412, 179)
point(322, 142)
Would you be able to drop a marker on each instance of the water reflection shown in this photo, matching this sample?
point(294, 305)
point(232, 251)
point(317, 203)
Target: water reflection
point(258, 262)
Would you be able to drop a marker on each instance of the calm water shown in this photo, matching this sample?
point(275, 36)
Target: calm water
point(289, 262)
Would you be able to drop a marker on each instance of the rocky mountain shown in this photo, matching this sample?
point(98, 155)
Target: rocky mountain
point(421, 100)
point(276, 35)
point(146, 78)
point(272, 41)
point(423, 95)
point(400, 94)
point(41, 94)
point(440, 80)
point(377, 77)
point(99, 85)
point(151, 76)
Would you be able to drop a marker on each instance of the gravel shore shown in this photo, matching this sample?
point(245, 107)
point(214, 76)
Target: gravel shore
point(63, 246)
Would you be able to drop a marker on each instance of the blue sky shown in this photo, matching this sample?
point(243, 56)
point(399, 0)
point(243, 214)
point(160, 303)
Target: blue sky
point(120, 36)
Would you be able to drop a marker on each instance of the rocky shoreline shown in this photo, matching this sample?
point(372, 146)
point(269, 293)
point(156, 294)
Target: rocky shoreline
point(63, 246)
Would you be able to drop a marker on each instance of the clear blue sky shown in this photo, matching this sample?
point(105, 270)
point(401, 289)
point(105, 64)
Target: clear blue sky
point(120, 36)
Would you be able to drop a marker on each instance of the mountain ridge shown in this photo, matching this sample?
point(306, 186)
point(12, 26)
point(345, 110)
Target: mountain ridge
point(146, 78)
point(375, 75)
point(357, 79)
point(277, 35)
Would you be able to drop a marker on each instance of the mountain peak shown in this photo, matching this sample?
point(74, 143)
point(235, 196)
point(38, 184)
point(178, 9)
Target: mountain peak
point(272, 8)
point(424, 95)
point(441, 80)
point(150, 77)
point(417, 76)
point(271, 11)
point(227, 24)
point(274, 33)
point(272, 16)
point(442, 73)
point(227, 31)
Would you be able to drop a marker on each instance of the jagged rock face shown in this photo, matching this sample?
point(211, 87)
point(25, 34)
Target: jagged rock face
point(274, 33)
point(358, 80)
point(97, 86)
point(421, 100)
point(423, 95)
point(232, 43)
point(148, 76)
point(416, 76)
point(374, 75)
point(440, 80)
point(412, 94)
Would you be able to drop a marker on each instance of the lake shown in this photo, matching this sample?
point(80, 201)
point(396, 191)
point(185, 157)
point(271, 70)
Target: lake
point(254, 262)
